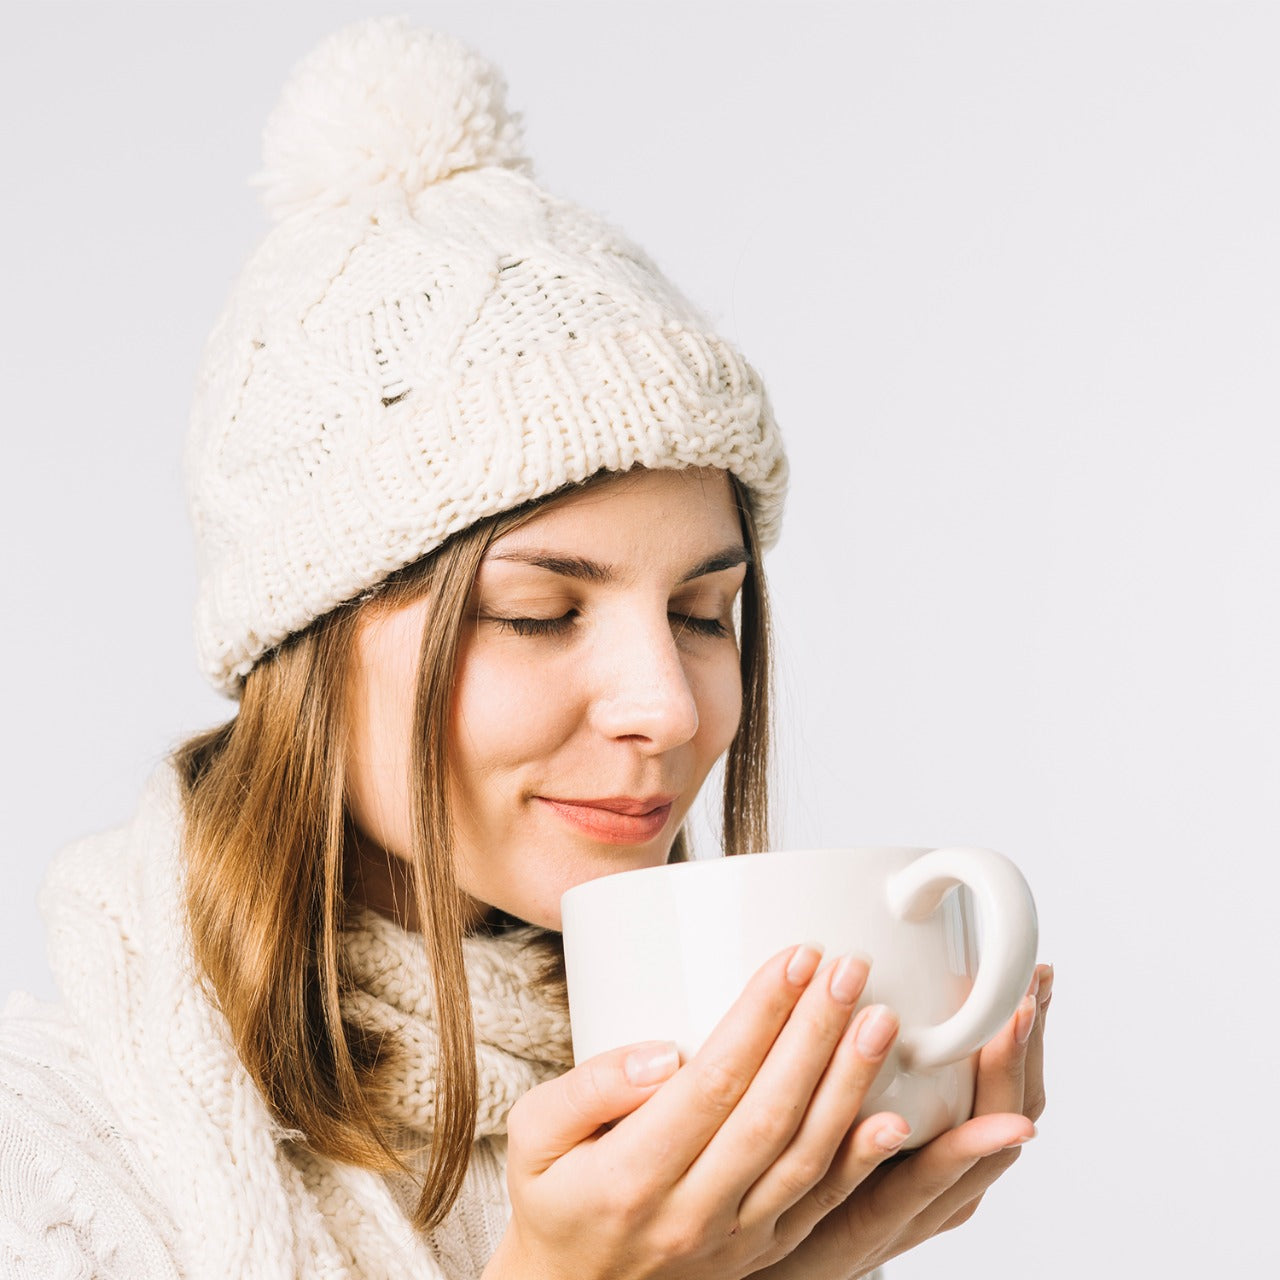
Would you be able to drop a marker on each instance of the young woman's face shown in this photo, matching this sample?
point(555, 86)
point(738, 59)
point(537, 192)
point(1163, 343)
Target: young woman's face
point(597, 683)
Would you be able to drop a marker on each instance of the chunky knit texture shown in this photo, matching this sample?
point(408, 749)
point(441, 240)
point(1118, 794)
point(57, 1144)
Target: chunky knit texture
point(426, 338)
point(133, 1142)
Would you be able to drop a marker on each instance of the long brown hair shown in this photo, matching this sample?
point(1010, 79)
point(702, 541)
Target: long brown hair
point(266, 835)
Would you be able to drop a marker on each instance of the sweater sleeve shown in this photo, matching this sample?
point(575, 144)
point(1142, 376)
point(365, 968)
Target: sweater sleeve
point(74, 1201)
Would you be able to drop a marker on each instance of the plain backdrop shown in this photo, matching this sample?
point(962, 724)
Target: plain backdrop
point(1011, 273)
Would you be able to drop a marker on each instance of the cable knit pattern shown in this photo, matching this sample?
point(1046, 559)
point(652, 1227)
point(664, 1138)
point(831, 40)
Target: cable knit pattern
point(521, 1038)
point(74, 1200)
point(427, 338)
point(134, 1143)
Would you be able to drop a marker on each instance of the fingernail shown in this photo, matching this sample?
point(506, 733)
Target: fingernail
point(1026, 1020)
point(1035, 983)
point(875, 1030)
point(891, 1137)
point(848, 978)
point(803, 964)
point(651, 1063)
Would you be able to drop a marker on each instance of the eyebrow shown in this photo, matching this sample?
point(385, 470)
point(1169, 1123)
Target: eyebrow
point(584, 570)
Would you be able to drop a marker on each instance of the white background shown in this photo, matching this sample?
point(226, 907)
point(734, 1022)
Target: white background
point(1012, 274)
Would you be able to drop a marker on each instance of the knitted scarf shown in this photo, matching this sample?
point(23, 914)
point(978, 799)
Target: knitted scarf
point(247, 1197)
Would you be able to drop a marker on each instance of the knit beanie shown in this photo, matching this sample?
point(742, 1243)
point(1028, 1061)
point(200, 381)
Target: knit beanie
point(425, 338)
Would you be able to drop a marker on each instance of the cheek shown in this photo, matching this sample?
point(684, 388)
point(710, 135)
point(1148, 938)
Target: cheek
point(379, 753)
point(508, 709)
point(719, 698)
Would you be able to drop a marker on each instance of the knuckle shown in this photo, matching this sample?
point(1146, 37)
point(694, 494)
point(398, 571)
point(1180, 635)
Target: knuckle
point(808, 1170)
point(829, 1195)
point(720, 1084)
point(678, 1242)
point(585, 1091)
point(770, 1126)
point(621, 1205)
point(803, 1174)
point(1034, 1108)
point(820, 1021)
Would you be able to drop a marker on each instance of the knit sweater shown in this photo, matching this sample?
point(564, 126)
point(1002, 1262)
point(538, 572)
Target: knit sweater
point(134, 1144)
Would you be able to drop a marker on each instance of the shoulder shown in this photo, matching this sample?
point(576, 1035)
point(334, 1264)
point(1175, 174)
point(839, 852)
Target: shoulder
point(74, 1199)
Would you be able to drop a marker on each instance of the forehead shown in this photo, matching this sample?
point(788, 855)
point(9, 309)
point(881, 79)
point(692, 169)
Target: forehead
point(640, 510)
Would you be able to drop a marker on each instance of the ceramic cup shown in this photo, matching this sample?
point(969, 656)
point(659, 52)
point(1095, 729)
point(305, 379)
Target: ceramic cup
point(661, 954)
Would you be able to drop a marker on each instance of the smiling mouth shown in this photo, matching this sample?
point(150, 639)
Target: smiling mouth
point(616, 820)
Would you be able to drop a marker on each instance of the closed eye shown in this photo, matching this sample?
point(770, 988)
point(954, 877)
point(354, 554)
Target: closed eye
point(681, 623)
point(711, 627)
point(538, 626)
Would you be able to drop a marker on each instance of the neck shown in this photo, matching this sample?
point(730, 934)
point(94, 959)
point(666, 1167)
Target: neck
point(383, 882)
point(379, 880)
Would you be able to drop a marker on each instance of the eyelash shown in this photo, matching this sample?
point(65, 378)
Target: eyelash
point(711, 628)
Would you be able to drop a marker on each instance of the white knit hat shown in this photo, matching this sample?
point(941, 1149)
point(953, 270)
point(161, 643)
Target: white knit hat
point(426, 338)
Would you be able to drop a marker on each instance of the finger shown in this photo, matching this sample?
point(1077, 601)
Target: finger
point(875, 1140)
point(1033, 1102)
point(959, 1202)
point(1001, 1076)
point(1008, 1078)
point(827, 1107)
point(557, 1116)
point(688, 1112)
point(1046, 986)
point(887, 1212)
point(911, 1187)
point(960, 1217)
point(781, 1099)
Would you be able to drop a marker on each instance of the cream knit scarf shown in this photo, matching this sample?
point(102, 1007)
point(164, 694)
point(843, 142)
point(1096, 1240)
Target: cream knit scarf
point(248, 1200)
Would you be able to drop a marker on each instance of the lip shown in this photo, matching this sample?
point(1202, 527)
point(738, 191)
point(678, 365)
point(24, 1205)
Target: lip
point(615, 819)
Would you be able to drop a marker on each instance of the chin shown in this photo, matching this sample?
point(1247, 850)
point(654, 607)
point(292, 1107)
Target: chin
point(506, 918)
point(544, 909)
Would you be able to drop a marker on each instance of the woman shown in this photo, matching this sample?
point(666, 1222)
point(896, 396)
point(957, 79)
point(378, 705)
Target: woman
point(480, 502)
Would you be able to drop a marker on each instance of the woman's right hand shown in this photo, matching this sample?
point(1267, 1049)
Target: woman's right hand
point(721, 1171)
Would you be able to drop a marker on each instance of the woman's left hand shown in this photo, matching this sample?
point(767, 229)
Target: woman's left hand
point(943, 1177)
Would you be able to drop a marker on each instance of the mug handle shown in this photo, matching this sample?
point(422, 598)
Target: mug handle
point(1008, 953)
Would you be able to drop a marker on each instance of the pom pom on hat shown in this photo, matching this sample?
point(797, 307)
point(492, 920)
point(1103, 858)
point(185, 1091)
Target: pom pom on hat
point(384, 105)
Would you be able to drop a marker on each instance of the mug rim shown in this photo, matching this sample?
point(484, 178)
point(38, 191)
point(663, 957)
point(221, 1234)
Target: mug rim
point(682, 868)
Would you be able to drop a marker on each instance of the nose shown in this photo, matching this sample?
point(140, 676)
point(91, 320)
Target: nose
point(643, 693)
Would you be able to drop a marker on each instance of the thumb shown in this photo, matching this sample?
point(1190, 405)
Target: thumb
point(553, 1118)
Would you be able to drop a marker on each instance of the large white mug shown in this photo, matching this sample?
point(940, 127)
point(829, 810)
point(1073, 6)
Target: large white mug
point(661, 954)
